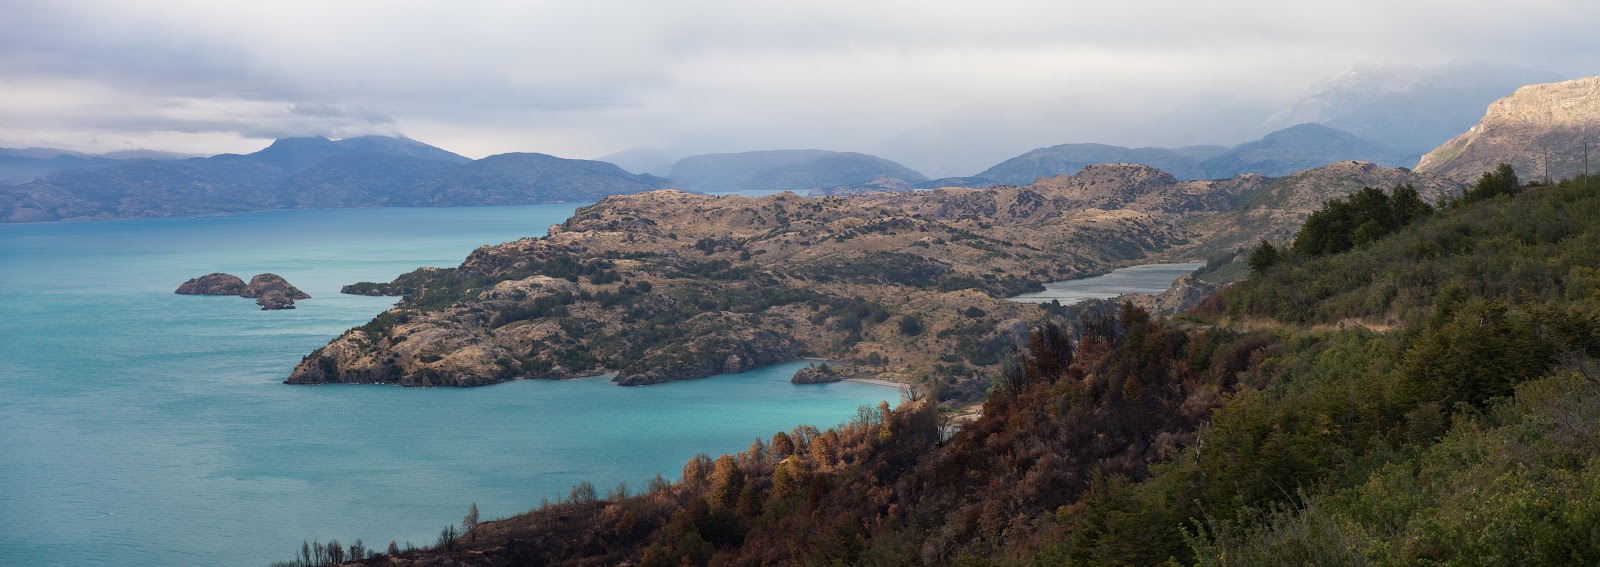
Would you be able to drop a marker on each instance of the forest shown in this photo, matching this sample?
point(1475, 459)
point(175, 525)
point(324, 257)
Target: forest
point(1413, 385)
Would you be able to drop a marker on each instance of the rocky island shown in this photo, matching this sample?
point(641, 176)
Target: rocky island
point(270, 291)
point(212, 284)
point(667, 285)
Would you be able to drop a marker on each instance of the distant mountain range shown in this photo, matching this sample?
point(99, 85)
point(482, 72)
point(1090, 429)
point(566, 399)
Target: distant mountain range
point(1280, 153)
point(314, 172)
point(21, 165)
point(1303, 147)
point(18, 167)
point(796, 170)
point(373, 171)
point(1068, 159)
point(376, 171)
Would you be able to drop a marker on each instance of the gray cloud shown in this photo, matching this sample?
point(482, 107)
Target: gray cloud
point(947, 87)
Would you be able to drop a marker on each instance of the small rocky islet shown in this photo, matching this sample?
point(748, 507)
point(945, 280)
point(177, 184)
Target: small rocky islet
point(270, 291)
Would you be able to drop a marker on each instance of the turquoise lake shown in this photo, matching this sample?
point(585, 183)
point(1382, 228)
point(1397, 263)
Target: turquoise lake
point(139, 427)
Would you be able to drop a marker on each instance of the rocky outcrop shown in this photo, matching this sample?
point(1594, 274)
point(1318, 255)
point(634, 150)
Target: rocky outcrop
point(816, 374)
point(721, 343)
point(212, 284)
point(668, 285)
point(1538, 128)
point(263, 284)
point(1186, 291)
point(275, 299)
point(271, 291)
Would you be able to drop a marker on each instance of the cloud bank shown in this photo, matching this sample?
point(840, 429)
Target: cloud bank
point(946, 87)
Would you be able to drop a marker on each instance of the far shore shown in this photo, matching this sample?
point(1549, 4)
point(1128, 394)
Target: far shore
point(873, 381)
point(879, 382)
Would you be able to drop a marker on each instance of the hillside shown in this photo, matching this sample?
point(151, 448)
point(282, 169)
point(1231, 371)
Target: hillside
point(359, 180)
point(315, 172)
point(1535, 129)
point(139, 189)
point(1277, 210)
point(794, 170)
point(666, 285)
point(1424, 413)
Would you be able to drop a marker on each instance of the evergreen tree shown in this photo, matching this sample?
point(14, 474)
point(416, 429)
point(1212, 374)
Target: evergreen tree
point(1263, 257)
point(782, 446)
point(727, 481)
point(1502, 181)
point(1408, 204)
point(1372, 214)
point(1326, 230)
point(1365, 217)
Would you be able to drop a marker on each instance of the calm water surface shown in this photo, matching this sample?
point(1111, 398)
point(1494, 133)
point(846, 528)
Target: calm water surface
point(1149, 278)
point(139, 427)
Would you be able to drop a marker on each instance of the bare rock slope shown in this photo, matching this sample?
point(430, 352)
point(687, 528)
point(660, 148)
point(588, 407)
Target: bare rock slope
point(1537, 127)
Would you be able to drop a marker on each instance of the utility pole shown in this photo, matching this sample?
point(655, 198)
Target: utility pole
point(1585, 153)
point(1546, 164)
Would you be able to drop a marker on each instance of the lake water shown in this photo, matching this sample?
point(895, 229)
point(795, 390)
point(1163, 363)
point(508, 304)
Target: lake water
point(1149, 278)
point(139, 427)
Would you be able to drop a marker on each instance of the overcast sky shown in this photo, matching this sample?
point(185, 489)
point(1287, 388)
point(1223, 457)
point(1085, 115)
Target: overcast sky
point(937, 85)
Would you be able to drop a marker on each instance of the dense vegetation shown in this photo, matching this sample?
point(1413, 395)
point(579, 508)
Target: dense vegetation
point(1430, 396)
point(1366, 216)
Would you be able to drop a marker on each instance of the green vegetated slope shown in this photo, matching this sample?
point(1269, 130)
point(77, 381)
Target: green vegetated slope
point(1429, 397)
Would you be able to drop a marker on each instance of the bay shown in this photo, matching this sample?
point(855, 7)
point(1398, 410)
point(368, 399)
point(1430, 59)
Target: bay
point(139, 427)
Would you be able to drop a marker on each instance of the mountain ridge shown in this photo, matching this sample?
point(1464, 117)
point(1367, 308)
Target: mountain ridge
point(1276, 154)
point(313, 172)
point(795, 170)
point(1537, 129)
